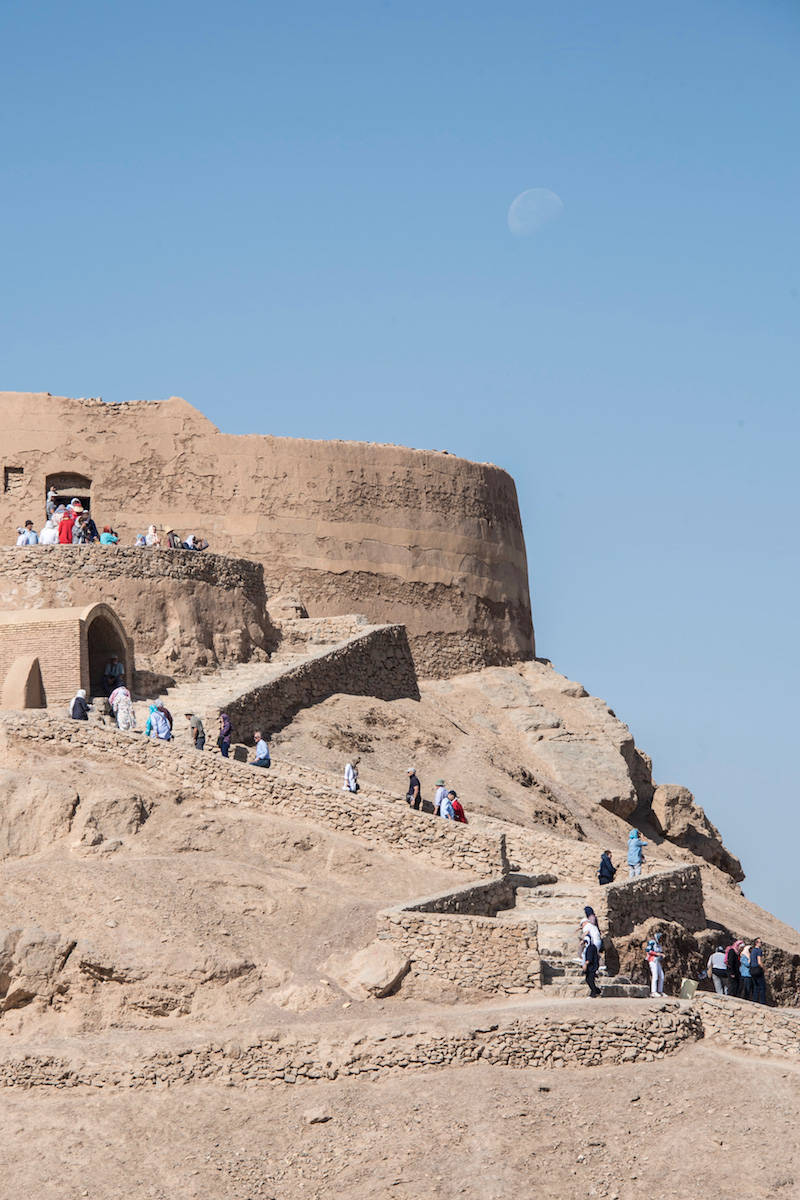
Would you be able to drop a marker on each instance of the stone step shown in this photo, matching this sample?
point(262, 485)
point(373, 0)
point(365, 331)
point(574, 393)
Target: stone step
point(570, 990)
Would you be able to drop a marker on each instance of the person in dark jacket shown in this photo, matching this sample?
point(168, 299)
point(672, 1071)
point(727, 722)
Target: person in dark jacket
point(79, 709)
point(225, 734)
point(732, 964)
point(606, 871)
point(591, 963)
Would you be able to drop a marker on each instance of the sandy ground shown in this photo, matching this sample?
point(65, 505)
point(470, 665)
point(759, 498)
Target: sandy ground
point(700, 1124)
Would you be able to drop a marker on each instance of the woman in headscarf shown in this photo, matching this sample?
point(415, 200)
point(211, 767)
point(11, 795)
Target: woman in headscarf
point(654, 956)
point(153, 538)
point(157, 725)
point(49, 535)
point(79, 709)
point(122, 707)
point(225, 733)
point(635, 854)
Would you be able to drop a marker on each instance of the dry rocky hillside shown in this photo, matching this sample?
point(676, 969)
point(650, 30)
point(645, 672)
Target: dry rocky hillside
point(180, 962)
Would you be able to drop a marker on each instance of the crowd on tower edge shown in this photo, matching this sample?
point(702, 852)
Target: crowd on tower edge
point(72, 525)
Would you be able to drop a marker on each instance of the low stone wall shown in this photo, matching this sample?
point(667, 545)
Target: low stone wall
point(385, 823)
point(552, 1040)
point(750, 1028)
point(672, 895)
point(476, 899)
point(183, 610)
point(455, 938)
point(378, 664)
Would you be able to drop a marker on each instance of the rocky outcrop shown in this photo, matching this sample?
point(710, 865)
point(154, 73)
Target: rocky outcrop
point(676, 815)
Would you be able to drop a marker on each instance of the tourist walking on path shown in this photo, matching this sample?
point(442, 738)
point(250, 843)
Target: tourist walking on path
point(590, 960)
point(224, 739)
point(732, 963)
point(414, 793)
point(458, 810)
point(196, 730)
point(757, 973)
point(160, 705)
point(122, 708)
point(655, 955)
point(635, 854)
point(717, 970)
point(446, 807)
point(606, 871)
point(439, 795)
point(157, 725)
point(79, 709)
point(262, 758)
point(351, 775)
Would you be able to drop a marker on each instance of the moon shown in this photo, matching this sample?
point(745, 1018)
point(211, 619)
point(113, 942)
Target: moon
point(533, 209)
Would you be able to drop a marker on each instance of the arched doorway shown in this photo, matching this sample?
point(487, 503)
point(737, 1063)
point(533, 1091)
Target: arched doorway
point(105, 637)
point(68, 485)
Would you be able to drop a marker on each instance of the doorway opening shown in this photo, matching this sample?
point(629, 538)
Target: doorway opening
point(67, 486)
point(104, 640)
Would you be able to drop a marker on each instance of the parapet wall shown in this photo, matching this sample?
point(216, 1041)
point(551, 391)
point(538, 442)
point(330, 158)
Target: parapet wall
point(374, 819)
point(413, 537)
point(455, 938)
point(184, 610)
point(378, 663)
point(673, 895)
point(750, 1028)
point(546, 1039)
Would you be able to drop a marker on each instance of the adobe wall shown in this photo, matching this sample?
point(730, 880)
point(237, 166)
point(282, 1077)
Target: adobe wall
point(567, 1038)
point(183, 610)
point(672, 895)
point(376, 664)
point(283, 789)
point(413, 537)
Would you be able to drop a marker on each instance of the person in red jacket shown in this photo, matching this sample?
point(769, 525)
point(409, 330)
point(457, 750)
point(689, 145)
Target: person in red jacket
point(65, 528)
point(458, 811)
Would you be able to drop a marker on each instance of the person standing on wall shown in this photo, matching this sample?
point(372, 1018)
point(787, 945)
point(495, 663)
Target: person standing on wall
point(635, 854)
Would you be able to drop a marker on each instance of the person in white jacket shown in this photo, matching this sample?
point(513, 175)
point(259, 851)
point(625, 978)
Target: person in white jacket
point(351, 775)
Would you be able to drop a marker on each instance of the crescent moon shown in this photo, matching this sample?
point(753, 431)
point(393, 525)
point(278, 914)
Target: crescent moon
point(532, 209)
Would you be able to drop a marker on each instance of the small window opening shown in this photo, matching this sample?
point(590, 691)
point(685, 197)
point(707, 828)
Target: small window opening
point(12, 479)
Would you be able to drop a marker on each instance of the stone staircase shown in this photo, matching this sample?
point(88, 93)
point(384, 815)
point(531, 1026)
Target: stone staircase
point(558, 909)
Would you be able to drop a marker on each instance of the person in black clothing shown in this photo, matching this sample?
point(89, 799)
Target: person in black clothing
point(414, 793)
point(606, 871)
point(591, 964)
point(79, 709)
point(732, 964)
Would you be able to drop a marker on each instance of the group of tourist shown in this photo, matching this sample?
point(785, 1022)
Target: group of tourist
point(446, 803)
point(72, 525)
point(635, 857)
point(738, 970)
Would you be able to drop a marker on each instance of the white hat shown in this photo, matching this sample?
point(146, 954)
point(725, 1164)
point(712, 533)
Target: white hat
point(411, 771)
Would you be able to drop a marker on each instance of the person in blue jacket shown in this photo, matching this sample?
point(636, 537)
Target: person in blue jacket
point(635, 854)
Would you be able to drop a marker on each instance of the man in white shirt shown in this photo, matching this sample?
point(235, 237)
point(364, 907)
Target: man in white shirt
point(351, 776)
point(441, 794)
point(262, 758)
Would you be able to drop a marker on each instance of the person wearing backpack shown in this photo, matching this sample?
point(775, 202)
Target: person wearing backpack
point(654, 956)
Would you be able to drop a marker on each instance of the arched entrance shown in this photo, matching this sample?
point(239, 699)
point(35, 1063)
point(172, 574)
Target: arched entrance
point(68, 485)
point(105, 636)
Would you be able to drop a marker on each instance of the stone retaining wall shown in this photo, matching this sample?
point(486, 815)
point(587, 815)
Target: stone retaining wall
point(378, 664)
point(183, 610)
point(750, 1028)
point(549, 1040)
point(382, 822)
point(672, 895)
point(454, 937)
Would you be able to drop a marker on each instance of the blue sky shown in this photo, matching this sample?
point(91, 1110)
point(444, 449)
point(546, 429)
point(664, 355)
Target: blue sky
point(296, 217)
